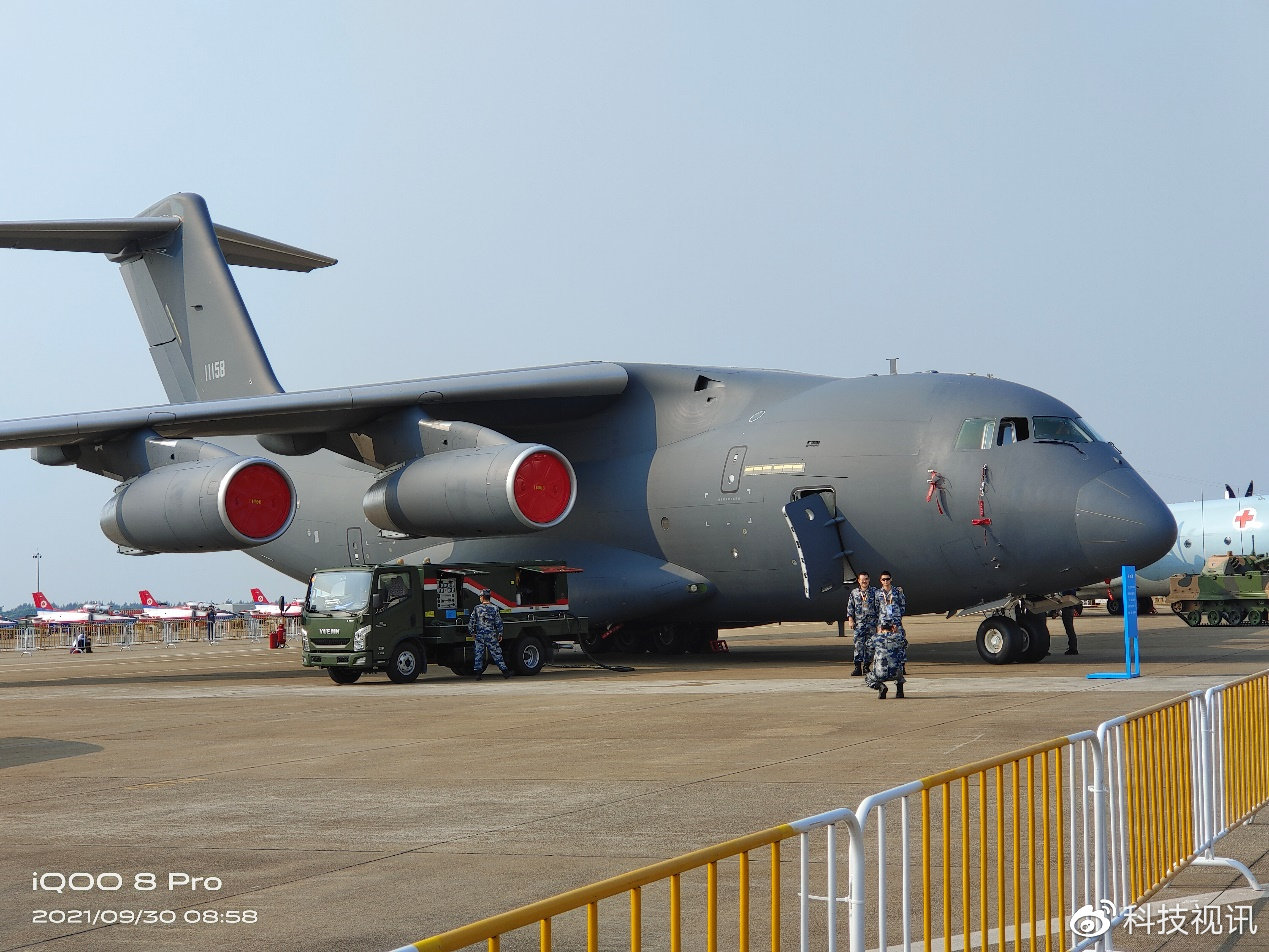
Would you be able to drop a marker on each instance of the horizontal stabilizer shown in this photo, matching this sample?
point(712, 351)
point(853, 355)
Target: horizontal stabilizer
point(242, 248)
point(107, 236)
point(123, 237)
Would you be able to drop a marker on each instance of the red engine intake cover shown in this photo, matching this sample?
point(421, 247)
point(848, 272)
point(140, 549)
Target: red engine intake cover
point(542, 487)
point(257, 501)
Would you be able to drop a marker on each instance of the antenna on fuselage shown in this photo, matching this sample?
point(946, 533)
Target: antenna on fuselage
point(894, 365)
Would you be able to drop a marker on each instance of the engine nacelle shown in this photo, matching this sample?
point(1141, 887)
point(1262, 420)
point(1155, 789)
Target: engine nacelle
point(214, 505)
point(505, 489)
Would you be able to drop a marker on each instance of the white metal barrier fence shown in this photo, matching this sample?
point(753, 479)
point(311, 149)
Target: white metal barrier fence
point(31, 638)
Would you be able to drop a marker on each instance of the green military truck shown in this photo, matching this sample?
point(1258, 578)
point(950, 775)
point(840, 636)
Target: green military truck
point(397, 618)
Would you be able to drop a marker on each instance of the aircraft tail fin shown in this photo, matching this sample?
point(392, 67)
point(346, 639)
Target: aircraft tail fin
point(257, 596)
point(40, 602)
point(175, 263)
point(147, 599)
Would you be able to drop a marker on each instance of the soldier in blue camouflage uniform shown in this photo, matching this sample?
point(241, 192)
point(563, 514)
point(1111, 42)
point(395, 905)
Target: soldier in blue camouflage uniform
point(485, 625)
point(890, 643)
point(861, 612)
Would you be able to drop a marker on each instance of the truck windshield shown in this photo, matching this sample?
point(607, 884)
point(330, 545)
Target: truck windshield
point(340, 592)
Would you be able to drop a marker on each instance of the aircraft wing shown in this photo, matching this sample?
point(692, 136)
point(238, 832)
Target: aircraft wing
point(567, 391)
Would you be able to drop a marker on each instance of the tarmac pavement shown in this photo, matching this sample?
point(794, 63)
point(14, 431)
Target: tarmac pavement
point(298, 814)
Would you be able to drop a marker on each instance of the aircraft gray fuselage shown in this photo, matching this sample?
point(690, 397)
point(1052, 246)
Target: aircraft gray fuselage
point(652, 475)
point(667, 486)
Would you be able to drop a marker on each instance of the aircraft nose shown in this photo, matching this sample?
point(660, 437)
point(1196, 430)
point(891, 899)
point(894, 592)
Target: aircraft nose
point(1121, 521)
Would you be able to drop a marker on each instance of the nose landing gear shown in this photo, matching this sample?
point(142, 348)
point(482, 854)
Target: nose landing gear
point(1002, 640)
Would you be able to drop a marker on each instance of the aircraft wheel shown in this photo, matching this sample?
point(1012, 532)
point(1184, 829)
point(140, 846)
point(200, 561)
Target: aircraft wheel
point(1114, 606)
point(529, 655)
point(1036, 641)
point(594, 642)
point(630, 640)
point(668, 640)
point(407, 663)
point(698, 640)
point(999, 639)
point(344, 675)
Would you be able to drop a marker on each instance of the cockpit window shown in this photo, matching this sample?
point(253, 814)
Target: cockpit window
point(1063, 430)
point(976, 434)
point(1083, 425)
point(1012, 430)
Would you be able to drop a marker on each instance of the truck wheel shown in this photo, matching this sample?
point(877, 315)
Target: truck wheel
point(529, 655)
point(407, 663)
point(461, 660)
point(999, 639)
point(344, 675)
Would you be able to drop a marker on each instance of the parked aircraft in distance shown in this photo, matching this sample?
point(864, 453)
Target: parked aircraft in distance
point(1204, 527)
point(152, 608)
point(262, 606)
point(693, 498)
point(90, 613)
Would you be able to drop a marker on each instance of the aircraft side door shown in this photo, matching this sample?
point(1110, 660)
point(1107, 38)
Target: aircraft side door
point(824, 560)
point(355, 551)
point(732, 468)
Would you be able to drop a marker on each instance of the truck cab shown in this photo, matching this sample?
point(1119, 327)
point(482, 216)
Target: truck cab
point(397, 618)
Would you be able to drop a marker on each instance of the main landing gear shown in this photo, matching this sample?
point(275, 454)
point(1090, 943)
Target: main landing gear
point(1004, 640)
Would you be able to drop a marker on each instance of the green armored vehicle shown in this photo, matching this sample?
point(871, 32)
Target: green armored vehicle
point(396, 618)
point(1231, 590)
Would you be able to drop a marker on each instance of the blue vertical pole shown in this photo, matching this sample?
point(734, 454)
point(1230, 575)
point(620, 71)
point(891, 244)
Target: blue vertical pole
point(1132, 645)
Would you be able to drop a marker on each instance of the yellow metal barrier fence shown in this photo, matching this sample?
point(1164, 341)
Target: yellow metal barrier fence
point(669, 873)
point(999, 841)
point(1240, 711)
point(1154, 767)
point(1009, 849)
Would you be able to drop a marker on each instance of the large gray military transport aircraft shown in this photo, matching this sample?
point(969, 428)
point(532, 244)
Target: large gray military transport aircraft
point(693, 498)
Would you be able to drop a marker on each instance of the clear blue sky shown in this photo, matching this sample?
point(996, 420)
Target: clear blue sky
point(1074, 195)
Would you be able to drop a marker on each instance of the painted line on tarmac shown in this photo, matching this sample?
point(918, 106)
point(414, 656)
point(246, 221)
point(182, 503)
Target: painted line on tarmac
point(918, 688)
